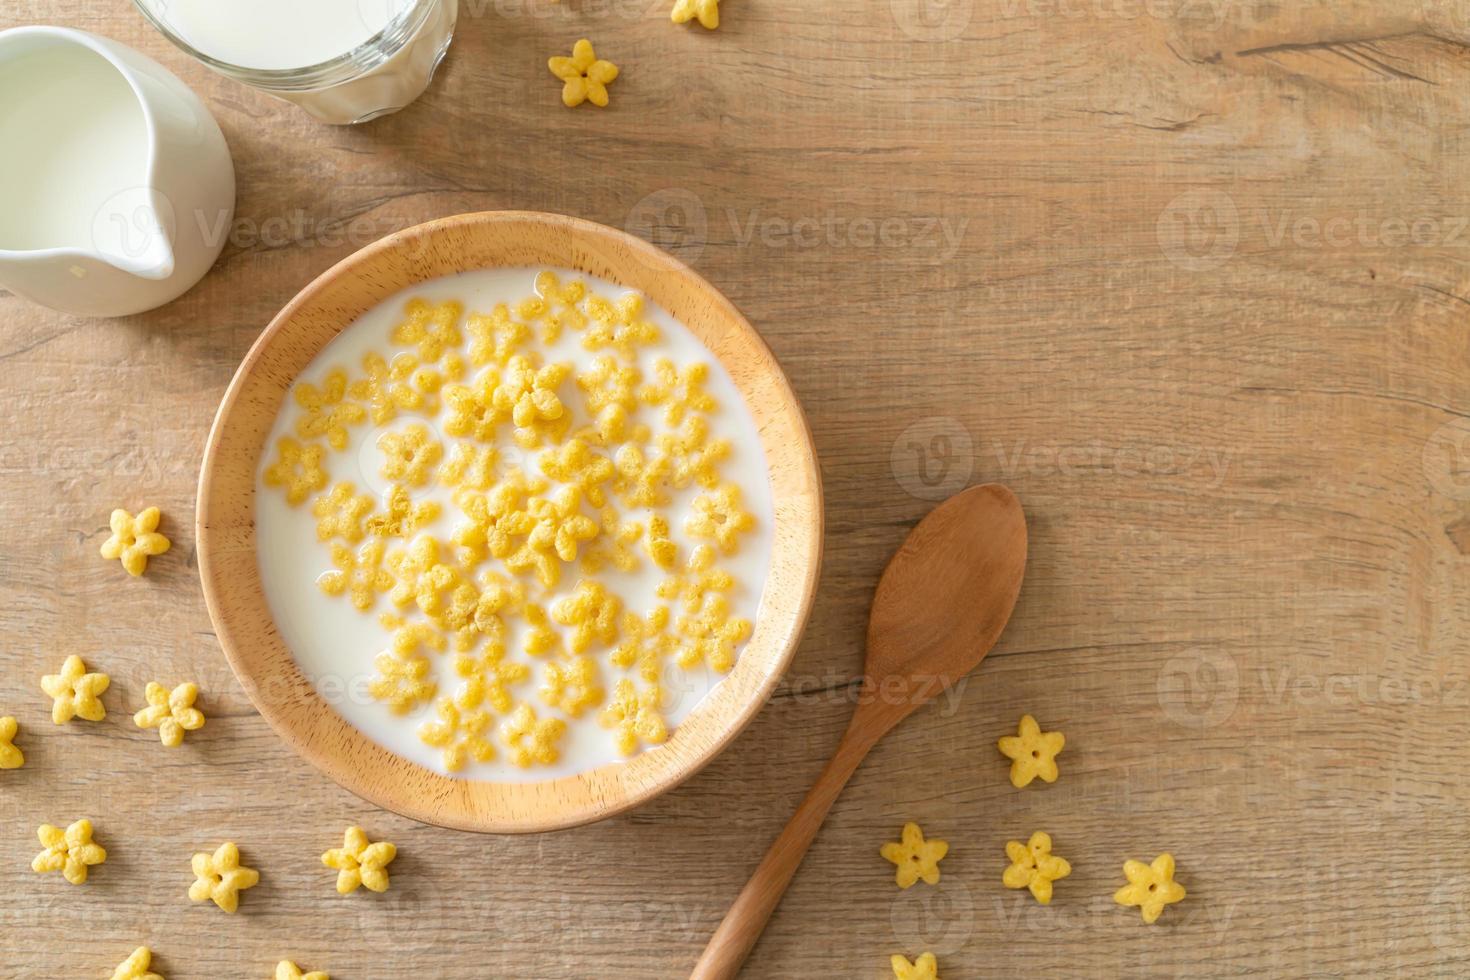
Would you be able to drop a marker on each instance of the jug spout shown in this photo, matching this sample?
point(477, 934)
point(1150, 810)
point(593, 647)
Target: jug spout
point(134, 232)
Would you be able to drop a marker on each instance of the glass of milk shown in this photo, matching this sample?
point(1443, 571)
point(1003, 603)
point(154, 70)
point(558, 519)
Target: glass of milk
point(343, 61)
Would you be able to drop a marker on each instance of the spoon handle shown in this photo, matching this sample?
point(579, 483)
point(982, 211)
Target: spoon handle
point(747, 918)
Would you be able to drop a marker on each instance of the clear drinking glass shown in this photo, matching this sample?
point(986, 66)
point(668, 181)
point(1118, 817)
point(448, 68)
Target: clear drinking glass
point(379, 75)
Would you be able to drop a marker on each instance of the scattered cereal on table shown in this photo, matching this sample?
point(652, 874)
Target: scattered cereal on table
point(708, 12)
point(1150, 886)
point(10, 755)
point(926, 967)
point(75, 693)
point(135, 539)
point(135, 967)
point(1034, 866)
point(70, 851)
point(915, 857)
point(360, 862)
point(1033, 752)
point(286, 970)
point(171, 712)
point(220, 877)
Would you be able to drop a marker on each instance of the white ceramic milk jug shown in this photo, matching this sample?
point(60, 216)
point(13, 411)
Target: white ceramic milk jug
point(116, 187)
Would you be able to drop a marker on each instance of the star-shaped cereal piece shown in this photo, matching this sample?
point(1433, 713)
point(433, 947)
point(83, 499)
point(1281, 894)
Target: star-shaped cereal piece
point(461, 735)
point(572, 685)
point(708, 12)
point(360, 862)
point(469, 467)
point(403, 517)
point(340, 513)
point(286, 970)
point(298, 469)
point(410, 454)
point(646, 642)
point(70, 851)
point(592, 612)
point(635, 716)
point(75, 693)
point(134, 539)
point(431, 327)
point(926, 967)
point(915, 857)
point(171, 712)
point(531, 741)
point(360, 574)
point(1032, 752)
point(402, 682)
point(698, 580)
point(10, 754)
point(641, 481)
point(575, 464)
point(1034, 866)
point(693, 455)
point(615, 545)
point(585, 77)
point(610, 392)
point(388, 388)
point(719, 517)
point(495, 336)
point(559, 532)
point(423, 577)
point(220, 877)
point(325, 410)
point(619, 325)
point(528, 394)
point(1150, 886)
point(554, 306)
point(488, 679)
point(135, 967)
point(678, 391)
point(710, 634)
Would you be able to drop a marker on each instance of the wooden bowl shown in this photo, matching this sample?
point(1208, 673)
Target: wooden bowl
point(225, 525)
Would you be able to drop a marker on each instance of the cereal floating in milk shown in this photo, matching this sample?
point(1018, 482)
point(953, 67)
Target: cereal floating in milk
point(75, 693)
point(134, 539)
point(171, 712)
point(360, 862)
point(493, 446)
point(70, 851)
point(220, 877)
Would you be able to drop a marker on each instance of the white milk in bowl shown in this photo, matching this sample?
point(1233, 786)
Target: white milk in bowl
point(344, 61)
point(514, 524)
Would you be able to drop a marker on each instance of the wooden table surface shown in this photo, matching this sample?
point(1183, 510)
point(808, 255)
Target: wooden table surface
point(1189, 275)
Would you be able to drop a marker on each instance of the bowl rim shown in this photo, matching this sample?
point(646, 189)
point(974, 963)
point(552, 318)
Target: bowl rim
point(225, 538)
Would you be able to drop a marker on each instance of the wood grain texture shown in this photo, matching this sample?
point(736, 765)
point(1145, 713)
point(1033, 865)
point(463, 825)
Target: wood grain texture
point(1201, 304)
point(299, 708)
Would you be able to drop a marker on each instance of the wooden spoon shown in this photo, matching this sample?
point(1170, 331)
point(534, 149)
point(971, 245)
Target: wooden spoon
point(940, 606)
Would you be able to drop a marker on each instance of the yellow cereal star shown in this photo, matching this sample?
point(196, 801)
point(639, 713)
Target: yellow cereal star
point(635, 717)
point(431, 327)
point(135, 967)
point(134, 539)
point(75, 693)
point(698, 580)
point(708, 12)
point(410, 454)
point(615, 545)
point(554, 306)
point(531, 741)
point(1033, 866)
point(640, 481)
point(388, 388)
point(915, 857)
point(286, 970)
point(298, 468)
point(528, 394)
point(592, 612)
point(646, 643)
point(560, 530)
point(403, 517)
point(678, 391)
point(423, 577)
point(718, 516)
point(470, 410)
point(1033, 752)
point(359, 574)
point(402, 682)
point(359, 862)
point(584, 75)
point(69, 851)
point(171, 712)
point(326, 413)
point(220, 877)
point(340, 513)
point(573, 686)
point(711, 634)
point(619, 325)
point(461, 735)
point(1150, 886)
point(610, 392)
point(494, 337)
point(694, 457)
point(10, 754)
point(926, 967)
point(577, 465)
point(470, 467)
point(488, 679)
